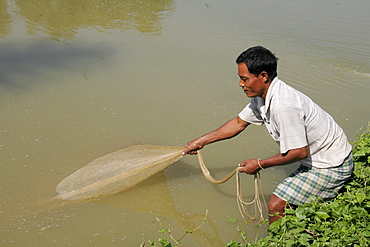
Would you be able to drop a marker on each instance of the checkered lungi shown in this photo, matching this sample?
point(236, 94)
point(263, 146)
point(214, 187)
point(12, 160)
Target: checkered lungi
point(319, 182)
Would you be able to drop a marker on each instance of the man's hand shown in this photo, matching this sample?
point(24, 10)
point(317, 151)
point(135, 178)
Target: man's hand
point(252, 166)
point(249, 166)
point(192, 147)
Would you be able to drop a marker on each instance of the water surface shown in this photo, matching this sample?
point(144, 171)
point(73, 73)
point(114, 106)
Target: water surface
point(80, 79)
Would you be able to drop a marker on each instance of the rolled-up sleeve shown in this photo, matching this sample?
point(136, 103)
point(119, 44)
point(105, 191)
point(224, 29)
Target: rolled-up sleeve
point(251, 115)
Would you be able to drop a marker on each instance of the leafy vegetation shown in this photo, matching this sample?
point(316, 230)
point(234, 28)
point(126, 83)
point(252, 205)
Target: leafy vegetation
point(172, 241)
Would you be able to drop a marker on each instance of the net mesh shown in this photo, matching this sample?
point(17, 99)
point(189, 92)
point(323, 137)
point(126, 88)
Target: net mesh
point(117, 171)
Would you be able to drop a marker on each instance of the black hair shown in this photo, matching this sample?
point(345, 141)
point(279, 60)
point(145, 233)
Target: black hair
point(259, 59)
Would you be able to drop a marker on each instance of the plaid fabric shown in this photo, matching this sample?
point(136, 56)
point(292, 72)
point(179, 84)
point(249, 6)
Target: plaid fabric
point(320, 182)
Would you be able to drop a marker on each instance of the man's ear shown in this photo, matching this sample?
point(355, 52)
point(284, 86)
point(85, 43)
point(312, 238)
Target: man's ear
point(265, 77)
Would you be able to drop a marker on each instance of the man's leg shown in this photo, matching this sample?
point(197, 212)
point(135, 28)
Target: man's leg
point(276, 208)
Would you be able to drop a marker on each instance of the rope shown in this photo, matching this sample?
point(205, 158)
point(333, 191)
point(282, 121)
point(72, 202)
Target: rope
point(242, 205)
point(208, 175)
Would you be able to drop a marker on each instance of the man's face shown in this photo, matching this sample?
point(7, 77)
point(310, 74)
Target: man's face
point(252, 85)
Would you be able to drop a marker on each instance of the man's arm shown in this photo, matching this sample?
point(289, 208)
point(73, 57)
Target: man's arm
point(251, 166)
point(230, 129)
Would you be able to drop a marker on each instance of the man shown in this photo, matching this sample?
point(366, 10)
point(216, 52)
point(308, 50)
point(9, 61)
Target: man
point(304, 132)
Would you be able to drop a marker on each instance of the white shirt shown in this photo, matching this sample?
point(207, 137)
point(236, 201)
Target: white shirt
point(295, 121)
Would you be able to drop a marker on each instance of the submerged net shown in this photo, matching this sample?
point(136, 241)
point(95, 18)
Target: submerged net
point(117, 171)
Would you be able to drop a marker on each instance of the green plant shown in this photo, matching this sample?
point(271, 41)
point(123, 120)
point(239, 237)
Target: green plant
point(233, 244)
point(361, 152)
point(166, 242)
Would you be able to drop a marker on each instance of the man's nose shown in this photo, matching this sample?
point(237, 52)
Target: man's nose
point(241, 83)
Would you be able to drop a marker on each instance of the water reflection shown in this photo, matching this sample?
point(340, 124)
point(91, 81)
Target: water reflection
point(20, 62)
point(62, 20)
point(6, 19)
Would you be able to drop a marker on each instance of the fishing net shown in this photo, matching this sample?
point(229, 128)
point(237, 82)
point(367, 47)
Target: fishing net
point(125, 168)
point(117, 171)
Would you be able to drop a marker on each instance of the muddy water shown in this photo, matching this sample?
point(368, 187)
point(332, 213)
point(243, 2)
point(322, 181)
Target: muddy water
point(80, 79)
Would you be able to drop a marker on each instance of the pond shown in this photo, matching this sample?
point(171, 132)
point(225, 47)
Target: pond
point(81, 79)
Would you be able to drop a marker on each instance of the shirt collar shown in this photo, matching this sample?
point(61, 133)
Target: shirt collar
point(271, 91)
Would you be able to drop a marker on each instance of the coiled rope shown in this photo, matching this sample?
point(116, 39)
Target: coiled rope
point(242, 205)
